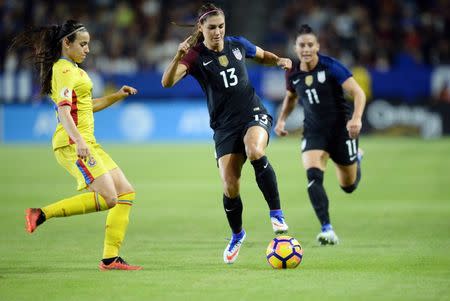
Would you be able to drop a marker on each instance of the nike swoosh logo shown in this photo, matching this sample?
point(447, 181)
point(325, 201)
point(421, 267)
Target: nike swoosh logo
point(229, 257)
point(206, 63)
point(229, 210)
point(310, 183)
point(353, 157)
point(295, 81)
point(267, 164)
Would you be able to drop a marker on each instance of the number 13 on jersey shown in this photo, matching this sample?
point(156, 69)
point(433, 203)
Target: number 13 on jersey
point(229, 78)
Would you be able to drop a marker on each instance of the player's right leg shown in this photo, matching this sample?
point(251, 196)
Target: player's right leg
point(230, 166)
point(86, 174)
point(314, 162)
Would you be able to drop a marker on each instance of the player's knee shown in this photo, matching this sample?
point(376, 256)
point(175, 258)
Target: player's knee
point(231, 187)
point(254, 152)
point(349, 189)
point(315, 176)
point(110, 199)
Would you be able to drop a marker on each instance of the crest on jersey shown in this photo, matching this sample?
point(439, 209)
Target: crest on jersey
point(237, 53)
point(66, 93)
point(223, 60)
point(92, 162)
point(309, 80)
point(321, 76)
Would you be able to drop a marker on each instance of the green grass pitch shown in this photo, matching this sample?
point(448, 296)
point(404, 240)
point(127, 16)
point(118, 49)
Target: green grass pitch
point(394, 230)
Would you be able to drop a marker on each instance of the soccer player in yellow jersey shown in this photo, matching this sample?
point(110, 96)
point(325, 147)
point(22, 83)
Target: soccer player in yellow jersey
point(58, 51)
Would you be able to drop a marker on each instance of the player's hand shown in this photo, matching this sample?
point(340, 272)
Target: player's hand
point(82, 150)
point(354, 127)
point(284, 63)
point(183, 48)
point(279, 128)
point(126, 91)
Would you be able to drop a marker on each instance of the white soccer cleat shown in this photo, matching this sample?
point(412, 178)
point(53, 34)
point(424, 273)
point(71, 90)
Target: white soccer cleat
point(231, 252)
point(327, 237)
point(279, 225)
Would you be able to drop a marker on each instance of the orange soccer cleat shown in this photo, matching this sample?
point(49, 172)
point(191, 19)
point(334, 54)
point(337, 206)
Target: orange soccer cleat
point(118, 264)
point(32, 216)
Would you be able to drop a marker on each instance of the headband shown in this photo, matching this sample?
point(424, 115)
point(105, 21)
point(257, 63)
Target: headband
point(207, 13)
point(69, 34)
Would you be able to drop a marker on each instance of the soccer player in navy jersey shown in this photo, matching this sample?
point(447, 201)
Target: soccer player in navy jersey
point(239, 119)
point(331, 127)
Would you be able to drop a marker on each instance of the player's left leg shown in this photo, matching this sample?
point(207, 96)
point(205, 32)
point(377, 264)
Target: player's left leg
point(348, 164)
point(256, 140)
point(117, 219)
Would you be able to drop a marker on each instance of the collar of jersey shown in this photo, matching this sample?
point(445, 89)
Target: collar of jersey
point(216, 52)
point(69, 60)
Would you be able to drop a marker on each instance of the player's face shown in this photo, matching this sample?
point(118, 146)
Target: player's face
point(213, 30)
point(79, 48)
point(306, 47)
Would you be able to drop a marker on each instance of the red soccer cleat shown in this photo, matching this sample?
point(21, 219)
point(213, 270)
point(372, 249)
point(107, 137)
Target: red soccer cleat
point(31, 219)
point(118, 264)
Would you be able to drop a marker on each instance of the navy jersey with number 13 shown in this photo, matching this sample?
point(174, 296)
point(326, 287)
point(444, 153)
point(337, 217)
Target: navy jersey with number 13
point(223, 77)
point(321, 94)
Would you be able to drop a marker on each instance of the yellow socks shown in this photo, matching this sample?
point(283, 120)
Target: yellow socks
point(116, 224)
point(79, 204)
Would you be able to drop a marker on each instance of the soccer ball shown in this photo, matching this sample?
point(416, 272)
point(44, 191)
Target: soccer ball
point(284, 252)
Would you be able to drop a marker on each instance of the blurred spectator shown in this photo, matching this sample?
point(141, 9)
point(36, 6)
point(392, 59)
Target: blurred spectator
point(137, 35)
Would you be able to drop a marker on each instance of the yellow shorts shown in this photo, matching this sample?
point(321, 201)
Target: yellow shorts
point(85, 171)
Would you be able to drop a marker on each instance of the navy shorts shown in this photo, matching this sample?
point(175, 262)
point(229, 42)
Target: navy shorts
point(343, 150)
point(231, 141)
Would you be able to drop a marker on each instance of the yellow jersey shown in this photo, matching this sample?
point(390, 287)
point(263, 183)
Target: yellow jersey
point(71, 86)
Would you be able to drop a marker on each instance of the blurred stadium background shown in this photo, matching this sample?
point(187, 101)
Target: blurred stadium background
point(395, 229)
point(397, 50)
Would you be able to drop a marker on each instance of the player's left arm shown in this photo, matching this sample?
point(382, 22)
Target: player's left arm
point(107, 100)
point(271, 59)
point(359, 98)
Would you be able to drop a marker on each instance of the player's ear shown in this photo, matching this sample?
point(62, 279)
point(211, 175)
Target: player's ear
point(66, 43)
point(318, 46)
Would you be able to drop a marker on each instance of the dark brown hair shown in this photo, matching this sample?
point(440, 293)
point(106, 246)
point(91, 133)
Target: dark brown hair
point(45, 42)
point(305, 29)
point(205, 11)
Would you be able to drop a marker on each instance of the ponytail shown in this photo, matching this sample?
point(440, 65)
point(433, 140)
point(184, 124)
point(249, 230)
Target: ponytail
point(45, 43)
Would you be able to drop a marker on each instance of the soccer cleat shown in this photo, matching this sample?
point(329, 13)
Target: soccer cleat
point(31, 219)
point(231, 252)
point(360, 155)
point(327, 236)
point(278, 224)
point(118, 264)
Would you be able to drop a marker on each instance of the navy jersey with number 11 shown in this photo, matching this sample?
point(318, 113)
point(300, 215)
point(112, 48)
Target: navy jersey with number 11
point(223, 77)
point(321, 94)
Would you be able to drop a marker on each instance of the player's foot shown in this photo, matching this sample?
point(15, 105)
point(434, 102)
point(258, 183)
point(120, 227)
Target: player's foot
point(327, 236)
point(360, 155)
point(118, 264)
point(279, 224)
point(234, 246)
point(33, 218)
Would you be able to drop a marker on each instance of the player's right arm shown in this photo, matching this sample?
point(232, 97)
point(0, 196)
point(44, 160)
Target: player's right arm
point(289, 103)
point(68, 124)
point(176, 71)
point(63, 82)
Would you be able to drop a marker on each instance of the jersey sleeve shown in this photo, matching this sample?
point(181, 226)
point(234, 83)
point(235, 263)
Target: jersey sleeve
point(250, 49)
point(190, 61)
point(339, 71)
point(63, 85)
point(289, 85)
